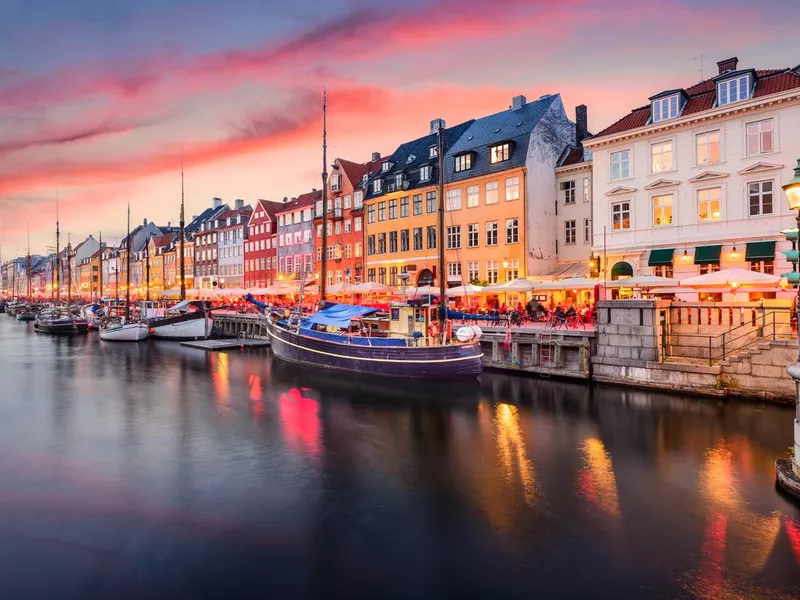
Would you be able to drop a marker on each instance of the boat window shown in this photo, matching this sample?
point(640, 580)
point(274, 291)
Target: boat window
point(395, 314)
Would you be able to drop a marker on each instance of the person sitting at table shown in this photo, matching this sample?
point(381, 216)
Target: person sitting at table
point(571, 312)
point(503, 309)
point(559, 314)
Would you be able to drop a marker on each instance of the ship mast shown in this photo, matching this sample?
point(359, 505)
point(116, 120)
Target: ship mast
point(28, 261)
point(441, 273)
point(57, 274)
point(100, 294)
point(323, 282)
point(128, 271)
point(69, 270)
point(183, 234)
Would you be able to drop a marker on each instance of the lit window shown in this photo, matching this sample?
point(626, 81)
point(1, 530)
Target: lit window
point(733, 90)
point(512, 188)
point(621, 216)
point(499, 153)
point(453, 200)
point(620, 165)
point(663, 271)
point(463, 162)
point(759, 137)
point(707, 148)
point(665, 108)
point(661, 157)
point(708, 207)
point(491, 192)
point(473, 198)
point(760, 196)
point(662, 210)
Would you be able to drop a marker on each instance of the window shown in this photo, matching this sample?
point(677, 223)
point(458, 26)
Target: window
point(499, 153)
point(358, 199)
point(512, 272)
point(404, 240)
point(403, 207)
point(763, 266)
point(381, 211)
point(512, 230)
point(430, 200)
point(759, 137)
point(665, 108)
point(664, 271)
point(491, 233)
point(660, 157)
point(453, 237)
point(620, 165)
point(472, 235)
point(473, 271)
point(431, 237)
point(425, 173)
point(347, 202)
point(491, 271)
point(453, 200)
point(463, 162)
point(621, 216)
point(357, 224)
point(348, 226)
point(662, 210)
point(338, 228)
point(491, 192)
point(386, 166)
point(382, 275)
point(381, 243)
point(371, 213)
point(392, 209)
point(707, 148)
point(708, 204)
point(358, 250)
point(371, 275)
point(398, 181)
point(433, 152)
point(569, 191)
point(512, 188)
point(454, 271)
point(733, 90)
point(760, 196)
point(473, 199)
point(418, 238)
point(569, 232)
point(587, 230)
point(417, 204)
point(376, 186)
point(393, 242)
point(370, 245)
point(392, 275)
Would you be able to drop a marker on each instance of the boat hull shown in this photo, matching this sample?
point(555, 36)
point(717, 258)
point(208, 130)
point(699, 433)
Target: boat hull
point(130, 332)
point(26, 317)
point(454, 361)
point(56, 327)
point(182, 328)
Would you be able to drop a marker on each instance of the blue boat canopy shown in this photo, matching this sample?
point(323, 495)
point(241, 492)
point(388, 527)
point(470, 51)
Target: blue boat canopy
point(339, 315)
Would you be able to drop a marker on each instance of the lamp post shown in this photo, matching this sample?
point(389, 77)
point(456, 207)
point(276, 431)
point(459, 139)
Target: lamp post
point(788, 472)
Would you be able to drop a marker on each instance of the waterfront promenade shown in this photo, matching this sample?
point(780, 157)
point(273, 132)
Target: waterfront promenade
point(154, 470)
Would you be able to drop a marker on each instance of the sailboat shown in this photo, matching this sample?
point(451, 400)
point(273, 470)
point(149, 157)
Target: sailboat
point(414, 341)
point(186, 320)
point(125, 331)
point(27, 313)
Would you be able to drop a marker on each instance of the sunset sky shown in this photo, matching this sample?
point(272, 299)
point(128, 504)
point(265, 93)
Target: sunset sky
point(98, 97)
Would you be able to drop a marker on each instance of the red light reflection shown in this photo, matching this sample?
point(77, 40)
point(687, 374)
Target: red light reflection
point(300, 421)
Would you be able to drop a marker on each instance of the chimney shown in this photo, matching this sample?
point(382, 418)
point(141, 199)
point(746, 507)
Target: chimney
point(518, 102)
point(376, 156)
point(285, 199)
point(194, 217)
point(729, 64)
point(144, 222)
point(216, 202)
point(239, 203)
point(437, 124)
point(581, 123)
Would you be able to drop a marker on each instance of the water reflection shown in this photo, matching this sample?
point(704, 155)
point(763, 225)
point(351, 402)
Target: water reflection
point(300, 421)
point(596, 481)
point(220, 374)
point(511, 450)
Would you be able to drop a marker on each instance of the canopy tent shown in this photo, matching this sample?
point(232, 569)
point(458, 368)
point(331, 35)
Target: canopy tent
point(339, 315)
point(341, 288)
point(731, 278)
point(645, 282)
point(465, 290)
point(425, 290)
point(621, 269)
point(371, 287)
point(572, 283)
point(517, 285)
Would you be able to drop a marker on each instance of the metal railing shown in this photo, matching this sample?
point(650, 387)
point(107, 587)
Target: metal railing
point(717, 347)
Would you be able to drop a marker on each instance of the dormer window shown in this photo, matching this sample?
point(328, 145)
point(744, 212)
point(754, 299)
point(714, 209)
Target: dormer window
point(733, 90)
point(398, 180)
point(500, 153)
point(433, 152)
point(665, 108)
point(376, 186)
point(336, 184)
point(425, 173)
point(463, 162)
point(386, 166)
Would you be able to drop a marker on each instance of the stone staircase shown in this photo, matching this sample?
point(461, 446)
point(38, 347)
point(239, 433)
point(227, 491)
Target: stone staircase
point(760, 370)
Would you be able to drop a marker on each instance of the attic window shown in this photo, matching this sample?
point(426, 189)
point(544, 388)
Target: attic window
point(425, 173)
point(733, 90)
point(463, 162)
point(386, 166)
point(376, 186)
point(410, 159)
point(433, 152)
point(500, 153)
point(665, 108)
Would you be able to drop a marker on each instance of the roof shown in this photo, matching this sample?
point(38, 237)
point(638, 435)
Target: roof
point(204, 216)
point(302, 201)
point(702, 97)
point(353, 171)
point(268, 206)
point(244, 212)
point(512, 125)
point(573, 155)
point(409, 158)
point(162, 241)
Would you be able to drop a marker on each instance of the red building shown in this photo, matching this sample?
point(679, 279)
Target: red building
point(345, 223)
point(261, 247)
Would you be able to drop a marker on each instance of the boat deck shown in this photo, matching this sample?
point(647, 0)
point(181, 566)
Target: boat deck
point(216, 345)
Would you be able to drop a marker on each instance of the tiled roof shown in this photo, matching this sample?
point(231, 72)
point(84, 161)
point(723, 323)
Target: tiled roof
point(702, 96)
point(512, 125)
point(353, 171)
point(302, 201)
point(572, 156)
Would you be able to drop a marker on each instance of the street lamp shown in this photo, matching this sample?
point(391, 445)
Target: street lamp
point(788, 472)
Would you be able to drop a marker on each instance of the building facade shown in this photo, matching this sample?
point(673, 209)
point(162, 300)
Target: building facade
point(295, 237)
point(574, 214)
point(261, 247)
point(232, 231)
point(205, 245)
point(691, 182)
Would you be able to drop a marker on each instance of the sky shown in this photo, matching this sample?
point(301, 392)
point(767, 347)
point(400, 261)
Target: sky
point(101, 102)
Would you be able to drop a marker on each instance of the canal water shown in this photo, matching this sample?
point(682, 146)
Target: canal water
point(157, 471)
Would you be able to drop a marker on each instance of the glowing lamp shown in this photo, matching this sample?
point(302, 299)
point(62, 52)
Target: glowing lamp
point(792, 189)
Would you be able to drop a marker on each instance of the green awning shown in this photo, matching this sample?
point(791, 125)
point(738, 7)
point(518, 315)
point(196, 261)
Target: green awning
point(662, 256)
point(760, 251)
point(621, 270)
point(707, 255)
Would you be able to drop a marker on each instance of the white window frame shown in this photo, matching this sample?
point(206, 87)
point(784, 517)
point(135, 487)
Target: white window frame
point(495, 191)
point(698, 201)
point(740, 86)
point(697, 137)
point(629, 161)
point(671, 104)
point(473, 196)
point(425, 173)
point(376, 186)
point(512, 185)
point(473, 230)
point(622, 211)
point(453, 200)
point(570, 232)
point(761, 212)
point(587, 230)
point(760, 133)
point(473, 270)
point(672, 204)
point(671, 153)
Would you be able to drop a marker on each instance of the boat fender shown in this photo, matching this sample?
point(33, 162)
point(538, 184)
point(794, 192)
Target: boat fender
point(433, 329)
point(152, 331)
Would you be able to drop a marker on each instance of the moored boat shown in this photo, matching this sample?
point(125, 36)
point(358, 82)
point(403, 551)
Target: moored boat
point(55, 324)
point(124, 332)
point(187, 320)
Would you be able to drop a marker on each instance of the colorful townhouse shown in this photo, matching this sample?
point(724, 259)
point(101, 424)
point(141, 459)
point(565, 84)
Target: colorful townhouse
point(295, 237)
point(205, 246)
point(261, 247)
point(345, 251)
point(231, 233)
point(401, 206)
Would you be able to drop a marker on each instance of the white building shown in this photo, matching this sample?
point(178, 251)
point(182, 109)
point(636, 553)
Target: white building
point(574, 213)
point(231, 230)
point(691, 182)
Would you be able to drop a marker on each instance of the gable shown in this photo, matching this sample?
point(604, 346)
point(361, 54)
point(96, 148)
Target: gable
point(661, 183)
point(707, 176)
point(621, 190)
point(760, 167)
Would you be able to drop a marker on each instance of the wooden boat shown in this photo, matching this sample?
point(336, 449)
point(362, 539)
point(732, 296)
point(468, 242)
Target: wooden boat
point(26, 314)
point(124, 332)
point(187, 320)
point(55, 324)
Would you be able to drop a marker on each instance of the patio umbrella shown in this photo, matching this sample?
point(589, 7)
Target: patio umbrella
point(517, 285)
point(572, 283)
point(425, 290)
point(465, 290)
point(371, 287)
point(341, 288)
point(645, 282)
point(731, 278)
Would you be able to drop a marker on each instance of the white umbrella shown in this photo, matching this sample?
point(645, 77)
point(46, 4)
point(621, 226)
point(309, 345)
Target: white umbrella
point(572, 283)
point(517, 285)
point(425, 290)
point(341, 288)
point(370, 287)
point(466, 290)
point(731, 278)
point(644, 282)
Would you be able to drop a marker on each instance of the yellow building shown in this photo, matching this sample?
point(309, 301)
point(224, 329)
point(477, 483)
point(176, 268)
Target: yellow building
point(88, 276)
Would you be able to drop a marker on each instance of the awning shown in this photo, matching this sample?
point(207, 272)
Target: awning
point(564, 270)
point(621, 269)
point(662, 256)
point(339, 315)
point(707, 255)
point(760, 251)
